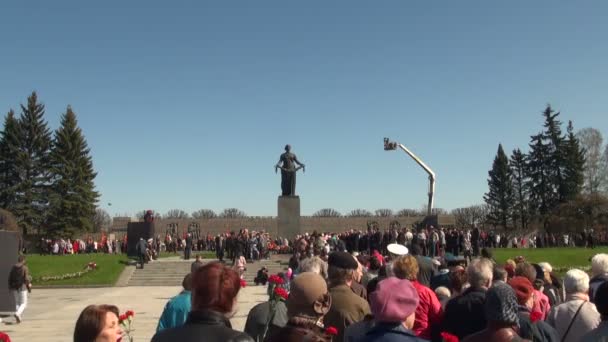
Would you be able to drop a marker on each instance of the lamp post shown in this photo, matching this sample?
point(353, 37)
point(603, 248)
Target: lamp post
point(392, 145)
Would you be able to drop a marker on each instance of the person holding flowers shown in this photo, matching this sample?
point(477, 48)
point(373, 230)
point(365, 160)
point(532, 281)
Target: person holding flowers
point(267, 317)
point(307, 304)
point(99, 323)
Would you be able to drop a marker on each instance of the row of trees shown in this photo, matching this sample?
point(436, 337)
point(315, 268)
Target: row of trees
point(329, 212)
point(530, 187)
point(46, 179)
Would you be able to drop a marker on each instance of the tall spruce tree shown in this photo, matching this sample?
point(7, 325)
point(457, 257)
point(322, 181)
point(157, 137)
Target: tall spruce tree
point(556, 146)
point(539, 178)
point(32, 163)
point(9, 171)
point(519, 171)
point(500, 190)
point(574, 165)
point(73, 195)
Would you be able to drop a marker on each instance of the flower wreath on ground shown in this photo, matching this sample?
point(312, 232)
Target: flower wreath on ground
point(91, 266)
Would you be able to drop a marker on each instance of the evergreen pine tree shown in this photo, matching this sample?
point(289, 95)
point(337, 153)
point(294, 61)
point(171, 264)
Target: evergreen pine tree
point(574, 165)
point(519, 171)
point(500, 193)
point(539, 178)
point(556, 158)
point(32, 163)
point(9, 152)
point(73, 195)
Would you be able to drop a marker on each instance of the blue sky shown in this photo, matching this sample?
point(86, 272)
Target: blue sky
point(189, 104)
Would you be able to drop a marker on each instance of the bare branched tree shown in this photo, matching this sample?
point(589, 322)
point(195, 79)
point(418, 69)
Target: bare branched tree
point(101, 220)
point(360, 213)
point(384, 212)
point(233, 213)
point(327, 212)
point(204, 214)
point(176, 214)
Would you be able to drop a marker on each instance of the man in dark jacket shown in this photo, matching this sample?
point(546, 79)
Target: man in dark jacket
point(426, 267)
point(188, 249)
point(464, 314)
point(141, 249)
point(19, 284)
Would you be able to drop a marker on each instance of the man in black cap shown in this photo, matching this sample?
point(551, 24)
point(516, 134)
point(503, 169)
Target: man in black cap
point(347, 308)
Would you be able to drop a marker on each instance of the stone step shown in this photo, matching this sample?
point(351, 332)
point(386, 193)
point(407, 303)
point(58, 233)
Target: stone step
point(172, 272)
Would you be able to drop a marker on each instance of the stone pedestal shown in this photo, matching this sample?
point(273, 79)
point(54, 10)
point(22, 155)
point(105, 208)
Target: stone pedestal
point(135, 231)
point(288, 219)
point(9, 251)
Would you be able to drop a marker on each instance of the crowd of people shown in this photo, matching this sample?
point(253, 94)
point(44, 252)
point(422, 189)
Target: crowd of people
point(396, 285)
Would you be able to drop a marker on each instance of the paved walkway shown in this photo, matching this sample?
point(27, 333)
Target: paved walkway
point(52, 313)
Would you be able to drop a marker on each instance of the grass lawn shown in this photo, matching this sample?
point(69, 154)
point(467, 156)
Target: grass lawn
point(109, 267)
point(559, 258)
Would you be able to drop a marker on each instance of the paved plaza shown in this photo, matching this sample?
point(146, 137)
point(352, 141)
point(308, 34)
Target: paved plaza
point(51, 313)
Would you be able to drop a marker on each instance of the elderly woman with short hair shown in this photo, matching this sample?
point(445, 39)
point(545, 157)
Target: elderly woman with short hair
point(576, 316)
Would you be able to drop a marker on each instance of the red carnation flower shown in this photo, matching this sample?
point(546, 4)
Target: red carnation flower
point(130, 313)
point(281, 292)
point(275, 279)
point(331, 331)
point(122, 318)
point(243, 283)
point(536, 316)
point(447, 337)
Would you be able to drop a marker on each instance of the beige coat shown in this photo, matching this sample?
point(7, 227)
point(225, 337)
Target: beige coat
point(561, 316)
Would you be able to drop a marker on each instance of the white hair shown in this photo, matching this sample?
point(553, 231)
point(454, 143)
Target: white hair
point(599, 264)
point(576, 281)
point(480, 272)
point(314, 264)
point(546, 267)
point(443, 291)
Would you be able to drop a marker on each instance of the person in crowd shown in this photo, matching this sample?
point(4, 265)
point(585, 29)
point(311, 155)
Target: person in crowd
point(356, 286)
point(198, 262)
point(428, 311)
point(313, 264)
point(308, 303)
point(240, 265)
point(458, 281)
point(530, 324)
point(427, 268)
point(443, 295)
point(464, 314)
point(549, 289)
point(372, 270)
point(177, 309)
point(599, 270)
point(214, 296)
point(141, 248)
point(541, 302)
point(19, 285)
point(98, 323)
point(188, 247)
point(499, 275)
point(576, 316)
point(259, 317)
point(347, 308)
point(500, 310)
point(393, 305)
point(261, 277)
point(600, 334)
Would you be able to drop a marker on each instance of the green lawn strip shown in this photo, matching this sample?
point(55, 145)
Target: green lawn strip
point(559, 258)
point(109, 268)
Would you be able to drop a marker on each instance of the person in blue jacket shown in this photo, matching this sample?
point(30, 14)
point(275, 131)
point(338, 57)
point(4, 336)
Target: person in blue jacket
point(177, 309)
